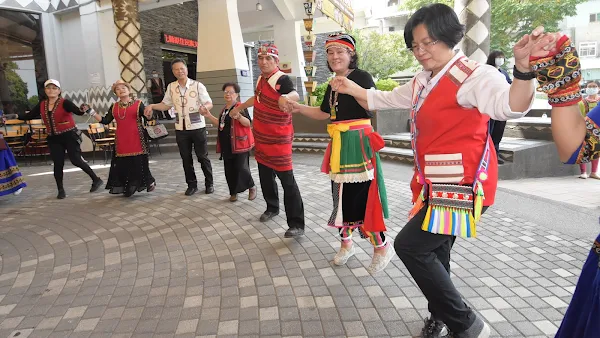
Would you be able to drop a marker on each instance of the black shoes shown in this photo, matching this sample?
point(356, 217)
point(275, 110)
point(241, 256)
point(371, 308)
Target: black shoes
point(267, 216)
point(294, 232)
point(61, 194)
point(96, 185)
point(434, 329)
point(190, 191)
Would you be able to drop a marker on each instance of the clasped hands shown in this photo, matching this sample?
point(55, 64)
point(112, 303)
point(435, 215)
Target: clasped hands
point(288, 106)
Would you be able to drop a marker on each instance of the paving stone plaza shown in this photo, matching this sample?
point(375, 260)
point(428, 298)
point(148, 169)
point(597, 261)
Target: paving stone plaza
point(166, 265)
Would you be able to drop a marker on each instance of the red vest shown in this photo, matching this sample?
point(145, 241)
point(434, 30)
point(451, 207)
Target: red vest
point(273, 129)
point(129, 135)
point(242, 139)
point(57, 122)
point(445, 127)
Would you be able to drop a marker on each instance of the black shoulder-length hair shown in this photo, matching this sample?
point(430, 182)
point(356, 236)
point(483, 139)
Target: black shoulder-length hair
point(492, 57)
point(441, 22)
point(353, 63)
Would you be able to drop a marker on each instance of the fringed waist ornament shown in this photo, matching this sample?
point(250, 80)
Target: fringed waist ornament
point(453, 208)
point(351, 157)
point(350, 153)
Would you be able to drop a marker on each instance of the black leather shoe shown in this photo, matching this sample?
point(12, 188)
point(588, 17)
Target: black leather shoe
point(96, 185)
point(61, 194)
point(500, 160)
point(267, 216)
point(294, 232)
point(209, 190)
point(190, 191)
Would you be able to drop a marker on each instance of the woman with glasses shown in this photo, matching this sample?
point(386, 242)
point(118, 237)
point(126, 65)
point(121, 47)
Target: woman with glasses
point(451, 102)
point(57, 115)
point(234, 142)
point(352, 159)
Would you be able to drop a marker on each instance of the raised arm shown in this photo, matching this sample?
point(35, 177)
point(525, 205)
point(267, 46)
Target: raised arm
point(69, 106)
point(577, 138)
point(571, 136)
point(34, 113)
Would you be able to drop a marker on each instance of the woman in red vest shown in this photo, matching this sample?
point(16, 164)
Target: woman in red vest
point(57, 114)
point(129, 170)
point(234, 142)
point(451, 102)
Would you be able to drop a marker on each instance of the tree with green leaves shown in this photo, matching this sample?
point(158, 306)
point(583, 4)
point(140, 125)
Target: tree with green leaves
point(512, 19)
point(17, 89)
point(382, 54)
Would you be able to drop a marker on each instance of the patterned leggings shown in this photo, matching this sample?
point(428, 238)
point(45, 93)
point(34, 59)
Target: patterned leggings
point(377, 239)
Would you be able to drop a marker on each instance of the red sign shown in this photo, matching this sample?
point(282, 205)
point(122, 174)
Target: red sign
point(179, 41)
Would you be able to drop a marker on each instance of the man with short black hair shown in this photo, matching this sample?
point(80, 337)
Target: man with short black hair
point(189, 97)
point(273, 136)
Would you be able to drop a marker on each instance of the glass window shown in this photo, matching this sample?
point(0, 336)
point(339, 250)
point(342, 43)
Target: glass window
point(594, 17)
point(22, 61)
point(587, 49)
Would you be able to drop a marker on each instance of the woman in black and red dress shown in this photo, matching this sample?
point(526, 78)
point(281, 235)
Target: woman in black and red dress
point(129, 170)
point(234, 142)
point(57, 114)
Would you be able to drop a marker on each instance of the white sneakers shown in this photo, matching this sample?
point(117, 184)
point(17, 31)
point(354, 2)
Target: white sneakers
point(378, 263)
point(584, 176)
point(343, 255)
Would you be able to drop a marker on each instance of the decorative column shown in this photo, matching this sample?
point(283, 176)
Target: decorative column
point(476, 16)
point(309, 52)
point(129, 40)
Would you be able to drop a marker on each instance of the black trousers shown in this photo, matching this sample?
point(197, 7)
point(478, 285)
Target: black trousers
point(69, 142)
point(196, 139)
point(427, 258)
point(237, 172)
point(294, 207)
point(496, 132)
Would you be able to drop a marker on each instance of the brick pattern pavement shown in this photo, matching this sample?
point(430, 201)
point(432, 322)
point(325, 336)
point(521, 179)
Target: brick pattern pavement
point(567, 189)
point(165, 265)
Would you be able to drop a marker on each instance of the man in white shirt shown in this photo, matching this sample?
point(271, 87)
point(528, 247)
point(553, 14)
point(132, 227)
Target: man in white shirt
point(189, 97)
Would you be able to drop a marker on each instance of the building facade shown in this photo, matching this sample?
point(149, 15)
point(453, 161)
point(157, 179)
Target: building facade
point(89, 44)
point(584, 28)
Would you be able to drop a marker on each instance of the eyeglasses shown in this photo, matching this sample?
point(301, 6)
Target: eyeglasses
point(229, 92)
point(423, 47)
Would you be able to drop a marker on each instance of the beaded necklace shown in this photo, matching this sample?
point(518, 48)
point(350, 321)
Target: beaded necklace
point(333, 99)
point(122, 105)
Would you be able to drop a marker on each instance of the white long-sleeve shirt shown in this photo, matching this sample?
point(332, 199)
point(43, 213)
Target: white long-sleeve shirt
point(486, 89)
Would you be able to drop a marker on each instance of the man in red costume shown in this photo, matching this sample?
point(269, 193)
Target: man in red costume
point(274, 133)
